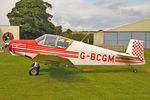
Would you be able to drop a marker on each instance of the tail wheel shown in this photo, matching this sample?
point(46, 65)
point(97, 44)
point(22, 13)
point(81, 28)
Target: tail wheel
point(34, 71)
point(134, 70)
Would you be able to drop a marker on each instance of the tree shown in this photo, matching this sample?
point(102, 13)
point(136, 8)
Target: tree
point(58, 30)
point(32, 18)
point(87, 38)
point(68, 31)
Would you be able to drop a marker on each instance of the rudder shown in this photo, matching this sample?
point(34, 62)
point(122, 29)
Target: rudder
point(135, 48)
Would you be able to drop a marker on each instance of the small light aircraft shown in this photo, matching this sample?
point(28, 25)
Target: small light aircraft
point(53, 49)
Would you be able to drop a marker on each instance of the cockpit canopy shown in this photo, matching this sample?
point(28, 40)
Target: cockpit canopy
point(54, 41)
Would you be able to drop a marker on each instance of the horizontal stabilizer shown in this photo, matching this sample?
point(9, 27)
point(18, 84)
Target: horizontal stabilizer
point(130, 57)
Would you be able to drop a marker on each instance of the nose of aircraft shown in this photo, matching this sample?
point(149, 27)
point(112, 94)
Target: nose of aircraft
point(10, 45)
point(7, 44)
point(25, 42)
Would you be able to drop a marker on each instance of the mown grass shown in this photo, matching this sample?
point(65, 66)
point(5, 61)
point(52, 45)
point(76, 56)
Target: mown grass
point(59, 83)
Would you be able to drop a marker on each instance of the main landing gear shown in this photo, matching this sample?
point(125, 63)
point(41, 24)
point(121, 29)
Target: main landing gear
point(34, 70)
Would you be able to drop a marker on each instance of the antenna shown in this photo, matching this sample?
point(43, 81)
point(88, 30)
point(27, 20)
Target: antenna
point(84, 37)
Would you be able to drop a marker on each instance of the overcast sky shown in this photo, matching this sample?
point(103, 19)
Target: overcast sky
point(89, 15)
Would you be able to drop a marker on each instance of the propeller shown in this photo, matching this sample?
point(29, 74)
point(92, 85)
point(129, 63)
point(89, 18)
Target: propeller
point(7, 37)
point(7, 43)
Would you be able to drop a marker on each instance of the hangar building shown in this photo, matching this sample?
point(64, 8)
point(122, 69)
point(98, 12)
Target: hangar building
point(122, 34)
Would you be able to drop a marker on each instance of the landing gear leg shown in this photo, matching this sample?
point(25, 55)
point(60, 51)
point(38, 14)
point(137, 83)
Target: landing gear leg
point(37, 65)
point(34, 70)
point(134, 70)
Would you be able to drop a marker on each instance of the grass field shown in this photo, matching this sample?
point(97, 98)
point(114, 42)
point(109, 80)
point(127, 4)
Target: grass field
point(105, 83)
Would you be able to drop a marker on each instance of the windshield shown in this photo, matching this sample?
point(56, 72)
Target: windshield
point(50, 40)
point(41, 39)
point(54, 41)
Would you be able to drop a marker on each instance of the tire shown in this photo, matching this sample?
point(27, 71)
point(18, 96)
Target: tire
point(34, 71)
point(38, 67)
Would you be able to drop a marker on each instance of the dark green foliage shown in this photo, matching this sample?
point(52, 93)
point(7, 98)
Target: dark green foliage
point(32, 18)
point(80, 37)
point(58, 30)
point(68, 31)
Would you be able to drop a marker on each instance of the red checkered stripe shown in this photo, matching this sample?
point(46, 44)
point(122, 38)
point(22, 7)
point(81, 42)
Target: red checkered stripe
point(137, 49)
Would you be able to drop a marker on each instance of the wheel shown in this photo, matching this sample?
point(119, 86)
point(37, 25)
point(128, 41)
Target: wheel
point(38, 67)
point(134, 70)
point(34, 71)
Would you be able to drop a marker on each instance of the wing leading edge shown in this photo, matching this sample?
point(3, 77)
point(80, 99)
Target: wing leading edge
point(51, 59)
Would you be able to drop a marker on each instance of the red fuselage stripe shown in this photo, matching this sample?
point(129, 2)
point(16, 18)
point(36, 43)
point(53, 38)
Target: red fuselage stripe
point(52, 49)
point(47, 50)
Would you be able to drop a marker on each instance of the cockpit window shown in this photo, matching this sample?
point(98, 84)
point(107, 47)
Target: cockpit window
point(47, 40)
point(41, 39)
point(63, 42)
point(53, 41)
point(50, 40)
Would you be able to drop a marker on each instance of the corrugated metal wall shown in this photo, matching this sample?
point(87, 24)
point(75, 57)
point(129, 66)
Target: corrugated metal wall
point(124, 37)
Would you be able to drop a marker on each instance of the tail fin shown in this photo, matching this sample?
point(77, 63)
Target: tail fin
point(135, 48)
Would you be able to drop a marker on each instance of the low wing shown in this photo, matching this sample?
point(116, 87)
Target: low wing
point(51, 59)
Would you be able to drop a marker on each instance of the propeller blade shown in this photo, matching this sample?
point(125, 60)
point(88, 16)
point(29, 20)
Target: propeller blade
point(7, 44)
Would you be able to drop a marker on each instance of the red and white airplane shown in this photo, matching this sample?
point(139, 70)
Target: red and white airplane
point(53, 49)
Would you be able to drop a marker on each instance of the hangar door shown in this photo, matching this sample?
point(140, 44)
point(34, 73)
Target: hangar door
point(124, 38)
point(147, 39)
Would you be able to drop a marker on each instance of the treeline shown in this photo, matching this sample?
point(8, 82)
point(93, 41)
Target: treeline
point(34, 21)
point(87, 38)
